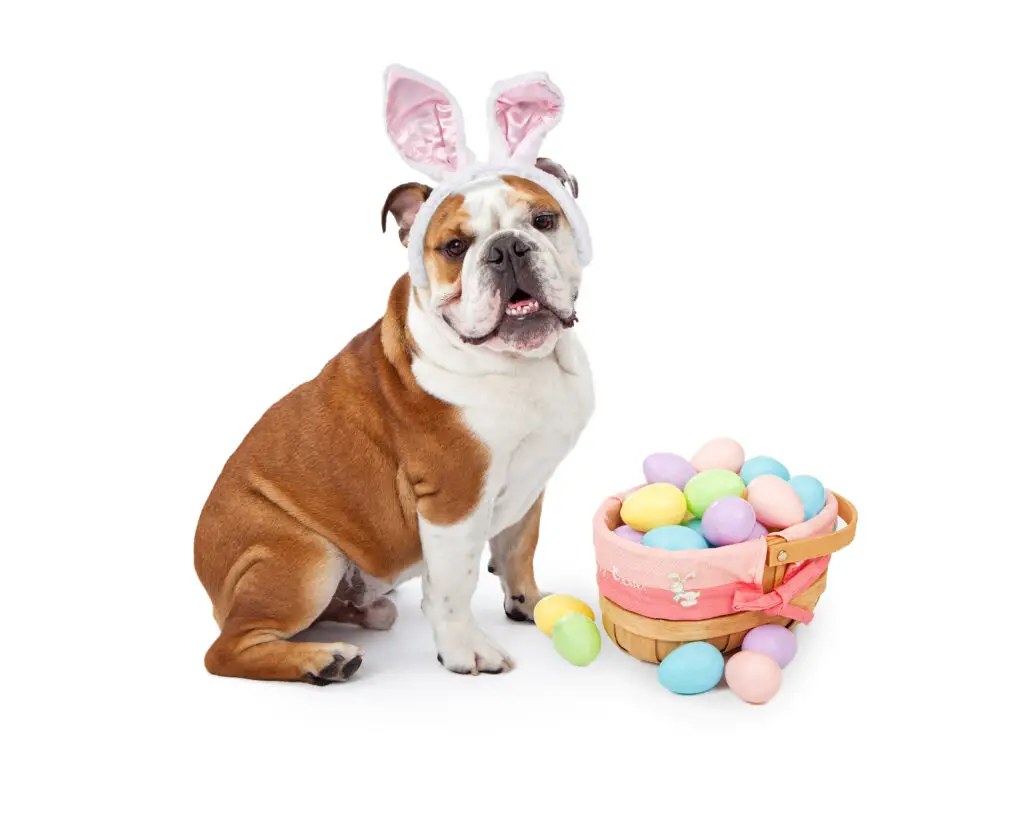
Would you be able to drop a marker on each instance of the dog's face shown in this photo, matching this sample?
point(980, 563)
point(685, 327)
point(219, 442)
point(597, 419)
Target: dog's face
point(501, 263)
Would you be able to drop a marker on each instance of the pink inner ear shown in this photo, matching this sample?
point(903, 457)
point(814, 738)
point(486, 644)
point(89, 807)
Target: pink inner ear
point(422, 122)
point(525, 110)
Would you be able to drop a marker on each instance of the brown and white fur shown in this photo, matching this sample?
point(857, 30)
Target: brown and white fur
point(431, 434)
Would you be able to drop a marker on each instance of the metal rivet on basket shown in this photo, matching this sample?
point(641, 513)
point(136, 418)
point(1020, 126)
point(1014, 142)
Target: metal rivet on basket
point(783, 555)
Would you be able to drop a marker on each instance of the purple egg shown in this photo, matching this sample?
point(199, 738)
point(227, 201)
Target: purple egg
point(664, 467)
point(759, 531)
point(728, 520)
point(629, 533)
point(778, 642)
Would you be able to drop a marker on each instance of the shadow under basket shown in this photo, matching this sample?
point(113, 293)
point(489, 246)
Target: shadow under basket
point(650, 639)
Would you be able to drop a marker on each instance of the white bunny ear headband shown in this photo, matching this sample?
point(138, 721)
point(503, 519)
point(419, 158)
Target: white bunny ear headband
point(425, 124)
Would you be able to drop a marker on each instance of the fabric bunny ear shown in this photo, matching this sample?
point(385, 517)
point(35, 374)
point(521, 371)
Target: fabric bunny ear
point(424, 123)
point(522, 110)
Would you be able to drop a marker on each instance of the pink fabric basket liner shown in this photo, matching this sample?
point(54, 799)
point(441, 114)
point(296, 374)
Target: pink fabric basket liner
point(704, 583)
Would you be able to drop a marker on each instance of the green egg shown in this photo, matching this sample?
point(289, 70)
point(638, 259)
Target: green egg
point(705, 488)
point(577, 639)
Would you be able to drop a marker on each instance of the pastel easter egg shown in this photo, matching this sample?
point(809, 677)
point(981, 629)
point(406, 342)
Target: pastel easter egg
point(693, 668)
point(629, 533)
point(811, 492)
point(720, 453)
point(707, 487)
point(775, 502)
point(665, 467)
point(754, 677)
point(727, 521)
point(695, 524)
point(577, 639)
point(778, 642)
point(657, 504)
point(762, 465)
point(549, 610)
point(675, 539)
point(759, 531)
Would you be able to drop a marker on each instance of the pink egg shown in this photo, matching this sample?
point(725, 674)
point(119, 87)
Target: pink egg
point(775, 502)
point(721, 453)
point(753, 677)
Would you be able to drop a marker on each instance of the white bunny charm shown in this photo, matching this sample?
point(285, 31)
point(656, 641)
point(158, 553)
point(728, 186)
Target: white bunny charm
point(678, 588)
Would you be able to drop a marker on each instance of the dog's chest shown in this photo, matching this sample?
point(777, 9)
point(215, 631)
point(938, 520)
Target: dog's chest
point(529, 420)
point(529, 427)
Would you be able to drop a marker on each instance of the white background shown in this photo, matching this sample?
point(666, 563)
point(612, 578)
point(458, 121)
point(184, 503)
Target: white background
point(807, 221)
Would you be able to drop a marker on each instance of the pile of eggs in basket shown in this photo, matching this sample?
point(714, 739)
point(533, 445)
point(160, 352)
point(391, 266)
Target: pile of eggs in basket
point(716, 498)
point(719, 498)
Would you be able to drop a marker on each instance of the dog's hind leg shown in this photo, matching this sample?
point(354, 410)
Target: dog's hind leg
point(271, 594)
point(512, 560)
point(359, 600)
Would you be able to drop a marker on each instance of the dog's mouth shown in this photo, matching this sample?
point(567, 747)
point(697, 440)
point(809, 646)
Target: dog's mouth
point(521, 304)
point(523, 314)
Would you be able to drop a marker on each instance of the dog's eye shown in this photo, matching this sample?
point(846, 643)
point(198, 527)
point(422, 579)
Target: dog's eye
point(544, 221)
point(455, 248)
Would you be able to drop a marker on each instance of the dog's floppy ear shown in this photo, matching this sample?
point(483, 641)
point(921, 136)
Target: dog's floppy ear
point(404, 203)
point(561, 174)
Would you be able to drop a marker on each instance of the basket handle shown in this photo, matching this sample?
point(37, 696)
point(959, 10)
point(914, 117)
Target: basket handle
point(782, 551)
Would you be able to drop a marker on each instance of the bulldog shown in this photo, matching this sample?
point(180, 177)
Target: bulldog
point(431, 434)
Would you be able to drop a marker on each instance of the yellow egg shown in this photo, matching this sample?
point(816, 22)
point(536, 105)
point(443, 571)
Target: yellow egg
point(654, 505)
point(549, 610)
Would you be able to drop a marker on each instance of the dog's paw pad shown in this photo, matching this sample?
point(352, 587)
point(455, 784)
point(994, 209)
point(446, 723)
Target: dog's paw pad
point(473, 654)
point(519, 607)
point(338, 670)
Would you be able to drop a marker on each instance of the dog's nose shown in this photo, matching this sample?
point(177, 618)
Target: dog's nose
point(507, 250)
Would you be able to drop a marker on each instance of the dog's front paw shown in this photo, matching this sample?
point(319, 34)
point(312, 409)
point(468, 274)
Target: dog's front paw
point(519, 607)
point(467, 650)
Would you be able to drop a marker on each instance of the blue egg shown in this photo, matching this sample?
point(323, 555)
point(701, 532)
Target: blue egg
point(695, 525)
point(762, 465)
point(674, 538)
point(811, 492)
point(693, 668)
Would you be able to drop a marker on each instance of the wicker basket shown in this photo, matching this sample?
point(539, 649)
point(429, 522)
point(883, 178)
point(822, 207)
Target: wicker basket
point(650, 639)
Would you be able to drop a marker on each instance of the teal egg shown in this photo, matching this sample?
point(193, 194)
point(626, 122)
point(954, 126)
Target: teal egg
point(762, 465)
point(674, 538)
point(811, 492)
point(693, 668)
point(695, 524)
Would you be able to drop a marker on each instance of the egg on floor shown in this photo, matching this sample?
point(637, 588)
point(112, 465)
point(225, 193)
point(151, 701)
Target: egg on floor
point(549, 610)
point(754, 677)
point(778, 642)
point(692, 668)
point(576, 639)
